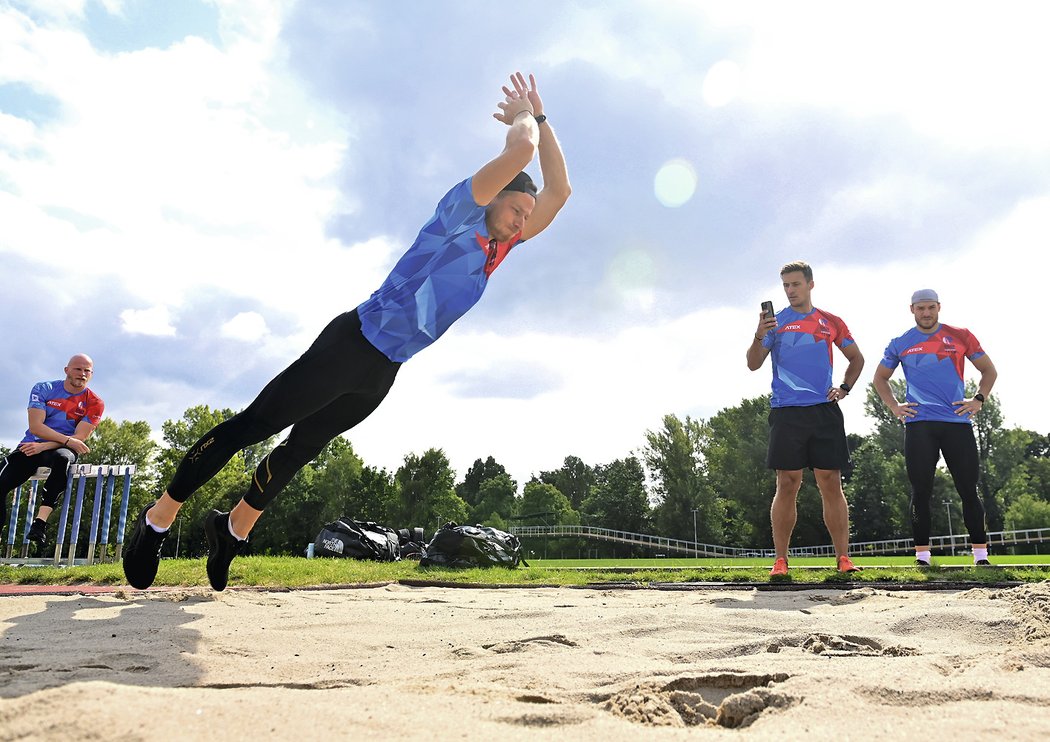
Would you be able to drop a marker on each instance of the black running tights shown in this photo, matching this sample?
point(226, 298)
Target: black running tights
point(924, 442)
point(334, 385)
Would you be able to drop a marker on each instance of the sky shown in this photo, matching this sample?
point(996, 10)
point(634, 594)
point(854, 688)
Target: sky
point(191, 189)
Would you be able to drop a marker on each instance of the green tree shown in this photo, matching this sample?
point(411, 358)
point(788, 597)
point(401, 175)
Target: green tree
point(987, 427)
point(889, 432)
point(574, 480)
point(374, 495)
point(733, 446)
point(127, 443)
point(878, 494)
point(1028, 511)
point(674, 457)
point(496, 501)
point(427, 497)
point(543, 505)
point(469, 489)
point(1038, 471)
point(337, 471)
point(618, 499)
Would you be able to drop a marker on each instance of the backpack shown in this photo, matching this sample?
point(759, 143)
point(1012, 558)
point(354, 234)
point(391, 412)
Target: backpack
point(357, 539)
point(413, 544)
point(472, 546)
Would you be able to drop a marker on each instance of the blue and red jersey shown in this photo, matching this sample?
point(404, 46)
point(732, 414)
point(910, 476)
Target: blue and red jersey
point(801, 349)
point(933, 368)
point(441, 276)
point(63, 411)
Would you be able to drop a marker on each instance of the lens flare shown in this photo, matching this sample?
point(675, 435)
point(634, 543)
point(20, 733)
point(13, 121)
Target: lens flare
point(675, 183)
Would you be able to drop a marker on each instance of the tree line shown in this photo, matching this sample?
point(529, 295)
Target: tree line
point(690, 479)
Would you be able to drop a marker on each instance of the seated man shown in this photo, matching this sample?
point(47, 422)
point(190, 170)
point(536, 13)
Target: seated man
point(62, 414)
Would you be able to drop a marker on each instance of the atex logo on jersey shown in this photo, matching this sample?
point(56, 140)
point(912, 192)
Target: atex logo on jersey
point(792, 327)
point(63, 404)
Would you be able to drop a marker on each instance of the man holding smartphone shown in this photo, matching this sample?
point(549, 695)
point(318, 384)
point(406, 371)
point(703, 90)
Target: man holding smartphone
point(937, 416)
point(806, 427)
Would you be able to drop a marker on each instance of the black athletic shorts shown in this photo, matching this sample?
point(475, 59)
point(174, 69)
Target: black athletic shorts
point(811, 437)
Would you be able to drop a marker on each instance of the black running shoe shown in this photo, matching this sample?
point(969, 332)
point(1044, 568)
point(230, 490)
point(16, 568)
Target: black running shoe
point(142, 553)
point(37, 533)
point(922, 564)
point(222, 548)
point(983, 563)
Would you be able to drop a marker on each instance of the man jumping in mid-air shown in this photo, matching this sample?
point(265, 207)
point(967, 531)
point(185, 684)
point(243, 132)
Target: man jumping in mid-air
point(349, 368)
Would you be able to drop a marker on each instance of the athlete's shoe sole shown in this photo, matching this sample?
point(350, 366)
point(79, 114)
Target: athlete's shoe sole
point(142, 553)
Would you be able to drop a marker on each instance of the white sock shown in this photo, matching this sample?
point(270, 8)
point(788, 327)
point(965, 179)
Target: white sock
point(229, 527)
point(156, 528)
point(923, 555)
point(979, 554)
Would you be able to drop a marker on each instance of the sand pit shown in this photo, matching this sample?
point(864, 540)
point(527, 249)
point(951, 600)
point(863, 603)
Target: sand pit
point(403, 662)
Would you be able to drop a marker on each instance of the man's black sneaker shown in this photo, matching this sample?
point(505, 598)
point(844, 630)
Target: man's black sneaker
point(142, 553)
point(222, 548)
point(922, 564)
point(37, 533)
point(983, 563)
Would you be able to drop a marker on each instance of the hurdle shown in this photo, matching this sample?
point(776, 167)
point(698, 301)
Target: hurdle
point(101, 502)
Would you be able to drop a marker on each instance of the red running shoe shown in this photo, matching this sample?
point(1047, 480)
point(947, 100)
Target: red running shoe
point(846, 565)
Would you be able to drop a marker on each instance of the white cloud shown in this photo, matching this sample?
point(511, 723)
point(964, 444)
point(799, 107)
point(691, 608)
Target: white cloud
point(247, 326)
point(171, 148)
point(953, 70)
point(153, 321)
point(721, 83)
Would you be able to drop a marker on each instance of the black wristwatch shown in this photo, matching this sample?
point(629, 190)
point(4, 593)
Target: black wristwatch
point(979, 397)
point(845, 387)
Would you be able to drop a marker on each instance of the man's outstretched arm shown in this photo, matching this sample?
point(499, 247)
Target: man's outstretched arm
point(519, 150)
point(556, 188)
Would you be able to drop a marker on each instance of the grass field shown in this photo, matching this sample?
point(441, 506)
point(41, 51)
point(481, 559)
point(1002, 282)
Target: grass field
point(296, 572)
point(760, 562)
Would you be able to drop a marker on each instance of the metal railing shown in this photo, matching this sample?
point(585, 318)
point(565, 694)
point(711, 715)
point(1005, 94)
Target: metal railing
point(690, 548)
point(101, 502)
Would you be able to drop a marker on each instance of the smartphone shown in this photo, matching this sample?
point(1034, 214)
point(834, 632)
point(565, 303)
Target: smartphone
point(767, 310)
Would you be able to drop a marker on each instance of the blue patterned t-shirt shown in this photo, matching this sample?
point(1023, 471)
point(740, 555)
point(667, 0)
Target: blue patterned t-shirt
point(441, 276)
point(802, 359)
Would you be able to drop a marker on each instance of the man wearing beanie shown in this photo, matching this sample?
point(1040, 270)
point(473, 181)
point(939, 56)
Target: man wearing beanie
point(937, 417)
point(349, 369)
